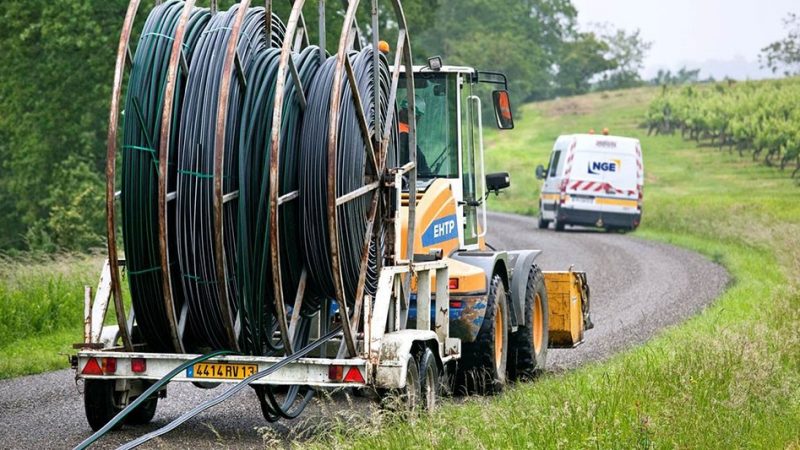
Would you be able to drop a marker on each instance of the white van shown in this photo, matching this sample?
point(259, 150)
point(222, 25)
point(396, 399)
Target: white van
point(592, 180)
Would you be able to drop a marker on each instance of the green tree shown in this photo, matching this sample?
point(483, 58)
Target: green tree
point(628, 51)
point(56, 68)
point(581, 59)
point(785, 53)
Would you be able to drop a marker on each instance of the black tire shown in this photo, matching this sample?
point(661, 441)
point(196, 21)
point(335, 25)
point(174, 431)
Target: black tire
point(430, 382)
point(145, 412)
point(406, 399)
point(529, 343)
point(485, 361)
point(100, 404)
point(543, 224)
point(559, 225)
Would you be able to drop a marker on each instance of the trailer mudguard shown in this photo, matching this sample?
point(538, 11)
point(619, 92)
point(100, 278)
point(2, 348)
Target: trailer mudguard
point(396, 347)
point(521, 262)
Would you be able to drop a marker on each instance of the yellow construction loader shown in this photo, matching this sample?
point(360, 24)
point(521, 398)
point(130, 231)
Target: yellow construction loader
point(503, 307)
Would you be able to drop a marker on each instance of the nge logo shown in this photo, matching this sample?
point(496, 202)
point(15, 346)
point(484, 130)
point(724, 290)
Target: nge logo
point(595, 167)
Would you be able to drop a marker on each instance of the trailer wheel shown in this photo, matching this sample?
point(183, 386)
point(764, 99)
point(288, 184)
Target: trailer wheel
point(430, 383)
point(531, 340)
point(485, 360)
point(145, 412)
point(100, 403)
point(408, 397)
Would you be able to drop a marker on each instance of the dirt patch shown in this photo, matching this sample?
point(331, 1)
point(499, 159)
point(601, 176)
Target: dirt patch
point(571, 106)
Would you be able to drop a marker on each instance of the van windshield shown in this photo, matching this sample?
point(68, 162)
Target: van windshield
point(618, 170)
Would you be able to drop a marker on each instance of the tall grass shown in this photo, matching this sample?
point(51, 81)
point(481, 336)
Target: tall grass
point(41, 309)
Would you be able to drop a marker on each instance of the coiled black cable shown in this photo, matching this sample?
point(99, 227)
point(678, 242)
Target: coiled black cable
point(352, 173)
point(256, 306)
point(195, 192)
point(141, 148)
point(246, 235)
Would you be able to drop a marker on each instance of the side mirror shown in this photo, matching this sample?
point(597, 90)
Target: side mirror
point(541, 173)
point(502, 110)
point(496, 182)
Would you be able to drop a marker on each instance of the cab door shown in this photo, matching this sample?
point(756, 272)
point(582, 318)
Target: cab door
point(470, 139)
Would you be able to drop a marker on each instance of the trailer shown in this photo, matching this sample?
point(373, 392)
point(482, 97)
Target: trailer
point(344, 248)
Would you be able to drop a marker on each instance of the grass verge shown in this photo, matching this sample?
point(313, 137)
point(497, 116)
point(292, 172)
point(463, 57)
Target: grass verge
point(41, 310)
point(727, 378)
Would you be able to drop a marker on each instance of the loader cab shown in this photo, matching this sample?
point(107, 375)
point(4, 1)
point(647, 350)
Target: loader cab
point(450, 139)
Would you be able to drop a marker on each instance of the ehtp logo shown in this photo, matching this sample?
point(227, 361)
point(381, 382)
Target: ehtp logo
point(595, 167)
point(440, 230)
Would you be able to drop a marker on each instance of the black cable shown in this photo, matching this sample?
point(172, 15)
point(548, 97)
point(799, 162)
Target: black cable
point(141, 148)
point(230, 392)
point(352, 173)
point(195, 192)
point(246, 235)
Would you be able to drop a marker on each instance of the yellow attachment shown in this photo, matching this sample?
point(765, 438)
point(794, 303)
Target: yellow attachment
point(565, 298)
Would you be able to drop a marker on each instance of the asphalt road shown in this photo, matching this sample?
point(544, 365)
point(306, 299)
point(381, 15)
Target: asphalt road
point(638, 288)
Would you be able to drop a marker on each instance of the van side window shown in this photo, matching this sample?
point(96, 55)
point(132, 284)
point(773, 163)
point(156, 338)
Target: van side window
point(554, 163)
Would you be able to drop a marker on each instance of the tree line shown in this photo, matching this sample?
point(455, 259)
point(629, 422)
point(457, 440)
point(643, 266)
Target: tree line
point(57, 62)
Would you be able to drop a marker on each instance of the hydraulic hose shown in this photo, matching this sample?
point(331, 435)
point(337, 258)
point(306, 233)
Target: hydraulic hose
point(142, 128)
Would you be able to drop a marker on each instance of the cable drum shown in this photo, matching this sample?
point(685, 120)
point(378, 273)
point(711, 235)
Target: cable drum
point(140, 170)
point(353, 171)
point(249, 204)
point(207, 325)
point(256, 304)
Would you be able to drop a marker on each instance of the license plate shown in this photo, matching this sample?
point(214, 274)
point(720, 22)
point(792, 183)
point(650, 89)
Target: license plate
point(221, 371)
point(583, 199)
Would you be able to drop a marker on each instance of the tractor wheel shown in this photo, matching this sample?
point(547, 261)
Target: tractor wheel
point(485, 360)
point(430, 383)
point(100, 404)
point(145, 412)
point(531, 340)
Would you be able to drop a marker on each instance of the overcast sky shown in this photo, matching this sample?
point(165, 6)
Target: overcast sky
point(716, 35)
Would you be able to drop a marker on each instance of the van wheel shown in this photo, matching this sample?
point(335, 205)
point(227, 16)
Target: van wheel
point(559, 225)
point(543, 224)
point(531, 340)
point(485, 360)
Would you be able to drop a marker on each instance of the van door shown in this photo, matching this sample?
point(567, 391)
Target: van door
point(551, 188)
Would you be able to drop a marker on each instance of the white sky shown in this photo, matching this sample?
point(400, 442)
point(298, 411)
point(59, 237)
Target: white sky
point(694, 32)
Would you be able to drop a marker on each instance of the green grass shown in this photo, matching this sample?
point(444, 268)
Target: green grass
point(727, 378)
point(41, 311)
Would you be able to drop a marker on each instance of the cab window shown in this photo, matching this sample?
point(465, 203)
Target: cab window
point(437, 124)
